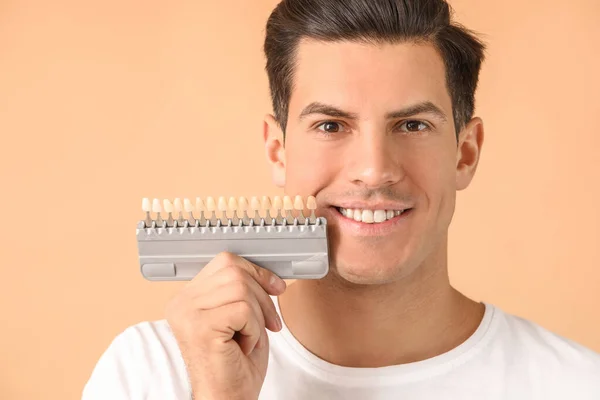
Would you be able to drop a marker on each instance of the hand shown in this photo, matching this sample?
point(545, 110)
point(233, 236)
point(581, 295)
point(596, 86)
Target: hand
point(219, 322)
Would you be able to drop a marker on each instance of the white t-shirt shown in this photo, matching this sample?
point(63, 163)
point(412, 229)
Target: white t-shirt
point(507, 357)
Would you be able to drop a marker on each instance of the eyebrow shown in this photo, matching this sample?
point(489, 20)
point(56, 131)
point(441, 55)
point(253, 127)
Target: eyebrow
point(425, 107)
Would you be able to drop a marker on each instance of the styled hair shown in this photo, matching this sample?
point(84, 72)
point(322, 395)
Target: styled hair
point(374, 22)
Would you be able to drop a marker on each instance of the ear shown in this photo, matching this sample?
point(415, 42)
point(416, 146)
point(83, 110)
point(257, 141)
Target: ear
point(273, 136)
point(470, 141)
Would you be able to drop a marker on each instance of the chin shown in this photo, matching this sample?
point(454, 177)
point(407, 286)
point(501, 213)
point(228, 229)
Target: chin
point(371, 270)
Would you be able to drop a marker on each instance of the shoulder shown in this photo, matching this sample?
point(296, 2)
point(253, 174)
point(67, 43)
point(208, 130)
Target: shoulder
point(142, 360)
point(547, 354)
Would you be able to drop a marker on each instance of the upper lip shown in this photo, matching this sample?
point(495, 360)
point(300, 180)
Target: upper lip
point(380, 205)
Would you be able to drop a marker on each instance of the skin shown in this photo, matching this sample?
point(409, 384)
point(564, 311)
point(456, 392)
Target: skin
point(388, 289)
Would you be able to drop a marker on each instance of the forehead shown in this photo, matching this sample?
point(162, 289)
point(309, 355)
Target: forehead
point(366, 77)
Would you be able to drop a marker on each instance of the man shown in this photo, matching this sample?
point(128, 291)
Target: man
point(373, 110)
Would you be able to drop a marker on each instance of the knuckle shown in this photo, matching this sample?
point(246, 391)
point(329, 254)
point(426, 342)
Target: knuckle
point(241, 290)
point(245, 309)
point(234, 273)
point(226, 258)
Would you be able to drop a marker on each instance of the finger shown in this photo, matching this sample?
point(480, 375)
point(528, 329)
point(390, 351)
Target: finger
point(233, 284)
point(269, 281)
point(238, 322)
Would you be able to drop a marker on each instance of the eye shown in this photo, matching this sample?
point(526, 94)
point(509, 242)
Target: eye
point(330, 127)
point(412, 126)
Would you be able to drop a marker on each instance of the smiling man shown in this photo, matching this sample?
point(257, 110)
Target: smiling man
point(373, 114)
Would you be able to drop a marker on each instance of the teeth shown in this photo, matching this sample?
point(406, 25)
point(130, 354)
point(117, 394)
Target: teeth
point(265, 203)
point(233, 205)
point(298, 203)
point(200, 204)
point(254, 204)
point(156, 207)
point(188, 206)
point(311, 203)
point(379, 216)
point(222, 204)
point(287, 203)
point(210, 204)
point(168, 206)
point(369, 216)
point(233, 211)
point(177, 205)
point(146, 205)
point(242, 204)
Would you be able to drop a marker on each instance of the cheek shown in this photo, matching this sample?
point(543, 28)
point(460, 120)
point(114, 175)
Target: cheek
point(434, 173)
point(307, 168)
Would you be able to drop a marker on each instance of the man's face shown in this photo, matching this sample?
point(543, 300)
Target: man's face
point(370, 133)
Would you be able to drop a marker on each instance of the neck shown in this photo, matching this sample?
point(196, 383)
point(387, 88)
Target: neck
point(412, 319)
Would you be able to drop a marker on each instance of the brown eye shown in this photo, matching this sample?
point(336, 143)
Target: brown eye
point(414, 126)
point(330, 127)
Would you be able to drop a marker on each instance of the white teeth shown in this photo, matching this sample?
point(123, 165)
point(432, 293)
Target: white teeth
point(222, 204)
point(288, 205)
point(298, 203)
point(200, 204)
point(177, 205)
point(254, 204)
point(167, 206)
point(233, 204)
point(210, 204)
point(242, 204)
point(379, 216)
point(369, 216)
point(146, 205)
point(156, 207)
point(311, 203)
point(277, 203)
point(188, 206)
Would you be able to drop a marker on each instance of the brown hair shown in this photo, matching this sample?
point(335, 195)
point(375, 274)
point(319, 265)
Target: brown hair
point(373, 21)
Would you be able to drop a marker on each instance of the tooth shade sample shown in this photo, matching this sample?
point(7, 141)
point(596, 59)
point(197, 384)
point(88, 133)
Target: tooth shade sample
point(311, 203)
point(287, 203)
point(210, 204)
point(277, 203)
point(266, 203)
point(168, 207)
point(242, 204)
point(187, 205)
point(298, 203)
point(177, 205)
point(146, 205)
point(156, 207)
point(200, 204)
point(222, 204)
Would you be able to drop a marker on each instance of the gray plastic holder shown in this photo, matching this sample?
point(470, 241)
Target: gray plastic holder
point(179, 254)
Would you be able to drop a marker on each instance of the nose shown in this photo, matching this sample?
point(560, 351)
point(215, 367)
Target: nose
point(374, 163)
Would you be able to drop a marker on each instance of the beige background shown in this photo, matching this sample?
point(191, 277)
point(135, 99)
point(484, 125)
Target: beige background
point(104, 102)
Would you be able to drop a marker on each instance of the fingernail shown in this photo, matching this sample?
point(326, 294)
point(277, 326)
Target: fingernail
point(277, 283)
point(278, 322)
